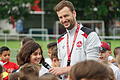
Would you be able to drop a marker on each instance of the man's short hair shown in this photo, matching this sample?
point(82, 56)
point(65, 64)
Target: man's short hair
point(62, 4)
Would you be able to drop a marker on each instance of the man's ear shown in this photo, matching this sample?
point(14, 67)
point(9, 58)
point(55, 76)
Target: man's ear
point(74, 13)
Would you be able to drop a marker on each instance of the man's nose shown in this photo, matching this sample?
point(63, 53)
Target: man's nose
point(63, 19)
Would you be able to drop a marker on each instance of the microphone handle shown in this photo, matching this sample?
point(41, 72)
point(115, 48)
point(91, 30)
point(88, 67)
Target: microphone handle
point(46, 65)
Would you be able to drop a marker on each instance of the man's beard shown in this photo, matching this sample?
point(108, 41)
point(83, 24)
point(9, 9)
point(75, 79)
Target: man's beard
point(71, 25)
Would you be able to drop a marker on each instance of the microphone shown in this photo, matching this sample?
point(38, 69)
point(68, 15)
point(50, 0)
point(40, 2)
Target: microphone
point(46, 65)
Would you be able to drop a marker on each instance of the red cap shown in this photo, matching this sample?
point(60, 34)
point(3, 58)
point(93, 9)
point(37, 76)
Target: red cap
point(105, 46)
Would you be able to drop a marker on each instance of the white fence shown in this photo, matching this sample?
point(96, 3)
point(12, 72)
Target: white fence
point(53, 36)
point(44, 32)
point(98, 25)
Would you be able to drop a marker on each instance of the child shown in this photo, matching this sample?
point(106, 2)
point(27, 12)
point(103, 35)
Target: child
point(31, 52)
point(5, 59)
point(105, 51)
point(53, 54)
point(54, 58)
point(106, 47)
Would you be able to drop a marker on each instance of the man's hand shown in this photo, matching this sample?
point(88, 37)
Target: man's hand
point(59, 70)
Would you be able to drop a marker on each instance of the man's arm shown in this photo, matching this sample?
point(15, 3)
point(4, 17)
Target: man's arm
point(92, 46)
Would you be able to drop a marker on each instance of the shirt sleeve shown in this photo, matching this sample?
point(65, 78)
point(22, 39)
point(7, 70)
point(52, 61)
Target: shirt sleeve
point(92, 46)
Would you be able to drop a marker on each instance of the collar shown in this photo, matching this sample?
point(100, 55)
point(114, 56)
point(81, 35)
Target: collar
point(72, 31)
point(3, 62)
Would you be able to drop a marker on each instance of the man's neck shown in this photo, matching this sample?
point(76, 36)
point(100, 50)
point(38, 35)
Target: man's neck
point(70, 28)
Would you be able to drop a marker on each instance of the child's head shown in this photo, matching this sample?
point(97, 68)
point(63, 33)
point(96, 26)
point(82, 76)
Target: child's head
point(91, 70)
point(26, 39)
point(54, 58)
point(29, 71)
point(53, 53)
point(31, 52)
point(48, 76)
point(117, 51)
point(5, 53)
point(105, 51)
point(52, 48)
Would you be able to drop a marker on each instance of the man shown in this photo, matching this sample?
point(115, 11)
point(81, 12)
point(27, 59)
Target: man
point(105, 51)
point(78, 44)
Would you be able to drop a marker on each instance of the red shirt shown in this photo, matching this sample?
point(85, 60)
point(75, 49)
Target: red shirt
point(9, 67)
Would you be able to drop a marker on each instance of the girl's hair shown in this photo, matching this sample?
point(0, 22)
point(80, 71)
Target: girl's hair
point(27, 49)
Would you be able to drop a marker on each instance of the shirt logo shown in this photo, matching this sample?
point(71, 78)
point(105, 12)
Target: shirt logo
point(79, 44)
point(63, 47)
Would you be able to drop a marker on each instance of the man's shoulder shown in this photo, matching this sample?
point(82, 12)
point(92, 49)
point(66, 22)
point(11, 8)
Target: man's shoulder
point(86, 31)
point(61, 37)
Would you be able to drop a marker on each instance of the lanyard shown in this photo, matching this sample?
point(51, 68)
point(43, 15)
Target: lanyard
point(69, 52)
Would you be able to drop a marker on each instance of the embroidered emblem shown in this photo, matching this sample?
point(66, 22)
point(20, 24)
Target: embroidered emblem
point(63, 47)
point(79, 44)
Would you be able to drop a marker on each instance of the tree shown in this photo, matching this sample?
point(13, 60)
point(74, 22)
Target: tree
point(106, 10)
point(16, 8)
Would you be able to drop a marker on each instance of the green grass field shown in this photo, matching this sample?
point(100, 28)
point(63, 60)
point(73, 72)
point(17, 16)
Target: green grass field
point(15, 45)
